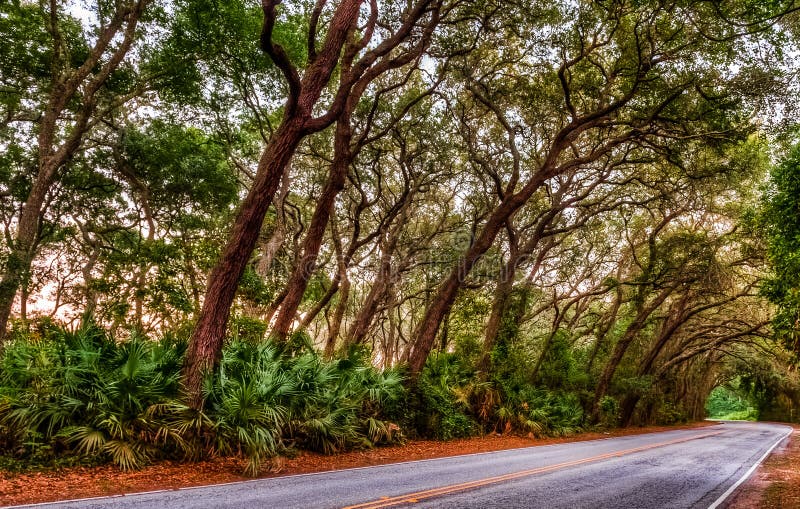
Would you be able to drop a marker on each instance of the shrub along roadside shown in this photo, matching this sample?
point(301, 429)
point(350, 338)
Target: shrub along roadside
point(451, 399)
point(85, 397)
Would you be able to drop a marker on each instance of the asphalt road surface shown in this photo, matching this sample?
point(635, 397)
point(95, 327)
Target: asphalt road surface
point(673, 469)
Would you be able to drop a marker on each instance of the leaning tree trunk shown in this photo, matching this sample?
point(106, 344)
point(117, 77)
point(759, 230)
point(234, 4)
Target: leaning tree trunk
point(502, 293)
point(380, 286)
point(18, 263)
point(633, 330)
point(604, 328)
point(205, 345)
point(298, 280)
point(426, 331)
point(338, 317)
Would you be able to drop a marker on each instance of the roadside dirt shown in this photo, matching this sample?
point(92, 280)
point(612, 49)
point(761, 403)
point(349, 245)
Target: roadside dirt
point(776, 483)
point(74, 483)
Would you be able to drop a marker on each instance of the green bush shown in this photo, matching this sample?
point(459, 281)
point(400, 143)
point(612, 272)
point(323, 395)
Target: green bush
point(84, 395)
point(609, 412)
point(454, 401)
point(443, 392)
point(727, 404)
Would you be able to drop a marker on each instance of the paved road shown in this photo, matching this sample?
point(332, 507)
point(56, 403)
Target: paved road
point(672, 469)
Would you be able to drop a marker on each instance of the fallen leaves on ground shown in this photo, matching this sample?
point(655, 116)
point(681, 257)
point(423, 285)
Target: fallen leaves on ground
point(776, 483)
point(83, 482)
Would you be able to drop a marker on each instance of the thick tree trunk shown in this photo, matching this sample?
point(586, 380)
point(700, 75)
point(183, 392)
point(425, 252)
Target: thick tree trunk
point(633, 330)
point(363, 320)
point(627, 408)
point(298, 280)
point(604, 381)
point(505, 286)
point(673, 322)
point(391, 346)
point(205, 345)
point(425, 334)
point(548, 342)
point(441, 303)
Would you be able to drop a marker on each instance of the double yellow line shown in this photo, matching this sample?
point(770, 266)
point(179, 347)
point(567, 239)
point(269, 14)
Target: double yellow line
point(411, 498)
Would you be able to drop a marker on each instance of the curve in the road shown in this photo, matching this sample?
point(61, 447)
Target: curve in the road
point(411, 498)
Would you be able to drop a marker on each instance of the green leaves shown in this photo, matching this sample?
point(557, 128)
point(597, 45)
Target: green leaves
point(89, 396)
point(781, 219)
point(184, 170)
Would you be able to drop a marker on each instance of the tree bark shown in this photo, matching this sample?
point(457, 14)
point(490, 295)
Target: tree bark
point(678, 316)
point(425, 334)
point(298, 280)
point(605, 327)
point(205, 345)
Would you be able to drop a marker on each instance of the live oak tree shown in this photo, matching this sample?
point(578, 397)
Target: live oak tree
point(362, 52)
point(624, 76)
point(72, 78)
point(779, 219)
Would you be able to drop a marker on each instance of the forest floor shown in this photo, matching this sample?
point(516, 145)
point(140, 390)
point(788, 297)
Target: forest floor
point(83, 482)
point(776, 483)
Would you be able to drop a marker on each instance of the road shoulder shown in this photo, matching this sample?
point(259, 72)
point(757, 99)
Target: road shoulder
point(776, 483)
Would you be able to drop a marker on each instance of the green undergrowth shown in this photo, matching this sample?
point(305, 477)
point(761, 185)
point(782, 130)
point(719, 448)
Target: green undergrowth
point(727, 403)
point(81, 397)
point(451, 399)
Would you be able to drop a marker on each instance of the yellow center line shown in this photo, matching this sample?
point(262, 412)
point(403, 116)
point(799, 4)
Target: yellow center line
point(444, 490)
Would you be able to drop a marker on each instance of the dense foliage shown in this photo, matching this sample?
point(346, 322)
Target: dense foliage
point(249, 227)
point(726, 404)
point(84, 395)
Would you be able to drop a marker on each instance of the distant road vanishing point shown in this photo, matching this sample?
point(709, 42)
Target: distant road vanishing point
point(695, 468)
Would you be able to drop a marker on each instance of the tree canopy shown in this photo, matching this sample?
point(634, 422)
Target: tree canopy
point(545, 215)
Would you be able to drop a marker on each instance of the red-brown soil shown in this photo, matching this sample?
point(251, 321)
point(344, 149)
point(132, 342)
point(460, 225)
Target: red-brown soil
point(776, 483)
point(81, 482)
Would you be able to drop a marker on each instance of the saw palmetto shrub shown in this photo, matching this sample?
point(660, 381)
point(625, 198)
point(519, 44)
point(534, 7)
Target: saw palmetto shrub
point(442, 403)
point(85, 395)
